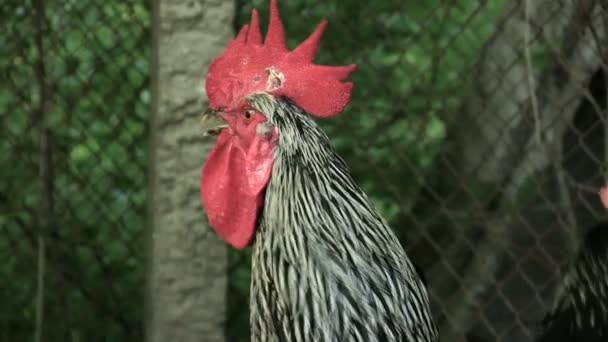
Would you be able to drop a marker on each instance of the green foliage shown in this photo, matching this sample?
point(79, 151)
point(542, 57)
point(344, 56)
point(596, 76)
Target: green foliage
point(96, 58)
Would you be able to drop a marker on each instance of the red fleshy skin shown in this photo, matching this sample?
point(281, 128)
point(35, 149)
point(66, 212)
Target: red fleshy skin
point(239, 166)
point(259, 164)
point(604, 196)
point(244, 68)
point(232, 186)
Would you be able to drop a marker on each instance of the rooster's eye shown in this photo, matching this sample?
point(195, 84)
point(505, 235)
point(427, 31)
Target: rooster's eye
point(248, 114)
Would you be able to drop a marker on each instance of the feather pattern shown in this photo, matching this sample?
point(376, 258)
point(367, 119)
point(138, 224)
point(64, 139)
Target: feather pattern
point(326, 266)
point(581, 309)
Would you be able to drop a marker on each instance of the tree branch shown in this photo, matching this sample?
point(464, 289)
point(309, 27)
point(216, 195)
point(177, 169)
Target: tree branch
point(45, 212)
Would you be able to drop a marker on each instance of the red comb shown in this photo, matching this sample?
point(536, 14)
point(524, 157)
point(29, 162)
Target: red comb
point(248, 66)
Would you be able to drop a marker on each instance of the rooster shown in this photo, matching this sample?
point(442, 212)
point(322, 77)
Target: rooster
point(325, 264)
point(581, 310)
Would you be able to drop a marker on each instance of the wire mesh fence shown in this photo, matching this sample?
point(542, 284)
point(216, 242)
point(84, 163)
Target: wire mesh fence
point(74, 106)
point(476, 127)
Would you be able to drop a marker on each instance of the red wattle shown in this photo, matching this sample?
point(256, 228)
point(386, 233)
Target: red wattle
point(232, 186)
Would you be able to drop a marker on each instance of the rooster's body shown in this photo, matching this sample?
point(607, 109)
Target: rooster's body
point(581, 310)
point(326, 267)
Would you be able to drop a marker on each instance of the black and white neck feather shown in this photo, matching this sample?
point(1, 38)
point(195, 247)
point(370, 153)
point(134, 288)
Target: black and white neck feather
point(326, 266)
point(581, 309)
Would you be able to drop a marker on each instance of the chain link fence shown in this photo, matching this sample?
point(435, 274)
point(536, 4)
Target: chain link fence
point(476, 127)
point(73, 108)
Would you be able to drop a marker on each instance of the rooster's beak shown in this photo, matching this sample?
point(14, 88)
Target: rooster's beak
point(212, 123)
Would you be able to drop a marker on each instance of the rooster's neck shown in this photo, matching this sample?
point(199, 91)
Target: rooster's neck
point(322, 252)
point(311, 196)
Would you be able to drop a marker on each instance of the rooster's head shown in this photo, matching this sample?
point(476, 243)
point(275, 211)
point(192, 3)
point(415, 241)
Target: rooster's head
point(239, 167)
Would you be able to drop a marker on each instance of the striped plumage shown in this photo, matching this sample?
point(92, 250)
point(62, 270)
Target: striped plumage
point(581, 310)
point(326, 266)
